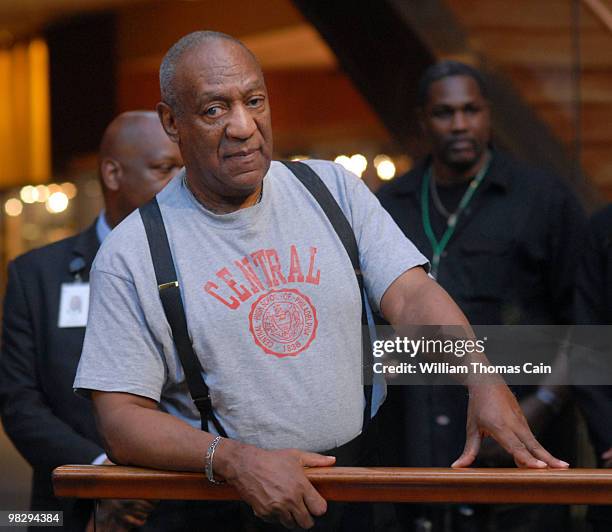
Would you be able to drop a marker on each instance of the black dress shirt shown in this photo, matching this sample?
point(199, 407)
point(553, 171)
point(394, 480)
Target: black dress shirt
point(511, 260)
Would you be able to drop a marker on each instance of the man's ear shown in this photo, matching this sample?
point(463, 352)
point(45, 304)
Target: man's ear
point(168, 121)
point(110, 172)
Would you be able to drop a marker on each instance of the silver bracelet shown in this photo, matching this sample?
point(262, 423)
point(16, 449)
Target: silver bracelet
point(208, 465)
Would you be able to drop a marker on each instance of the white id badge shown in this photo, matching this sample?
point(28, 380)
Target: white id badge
point(74, 305)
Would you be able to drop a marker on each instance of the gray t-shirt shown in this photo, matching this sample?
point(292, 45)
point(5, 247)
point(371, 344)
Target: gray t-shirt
point(272, 304)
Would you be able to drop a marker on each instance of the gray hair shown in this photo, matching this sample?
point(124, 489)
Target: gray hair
point(167, 69)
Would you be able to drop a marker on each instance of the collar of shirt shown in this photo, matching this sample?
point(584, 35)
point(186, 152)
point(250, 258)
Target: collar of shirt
point(497, 175)
point(102, 227)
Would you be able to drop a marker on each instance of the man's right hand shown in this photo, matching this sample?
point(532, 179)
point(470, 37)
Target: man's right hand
point(273, 483)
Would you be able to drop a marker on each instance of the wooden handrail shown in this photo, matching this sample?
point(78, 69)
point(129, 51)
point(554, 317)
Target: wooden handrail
point(601, 11)
point(573, 486)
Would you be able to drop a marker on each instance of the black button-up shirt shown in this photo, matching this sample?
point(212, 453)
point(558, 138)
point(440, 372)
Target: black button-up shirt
point(511, 260)
point(512, 257)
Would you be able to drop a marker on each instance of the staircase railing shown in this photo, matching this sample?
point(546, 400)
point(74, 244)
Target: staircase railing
point(601, 11)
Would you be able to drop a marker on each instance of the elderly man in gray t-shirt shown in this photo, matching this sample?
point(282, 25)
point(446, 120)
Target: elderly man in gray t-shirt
point(273, 309)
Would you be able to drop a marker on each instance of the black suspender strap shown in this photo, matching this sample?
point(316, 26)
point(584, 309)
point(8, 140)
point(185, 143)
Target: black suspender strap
point(309, 178)
point(170, 296)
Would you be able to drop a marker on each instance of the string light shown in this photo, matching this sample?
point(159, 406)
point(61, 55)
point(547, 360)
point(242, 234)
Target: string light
point(386, 170)
point(42, 193)
point(57, 202)
point(385, 167)
point(69, 189)
point(13, 207)
point(28, 194)
point(359, 163)
point(356, 163)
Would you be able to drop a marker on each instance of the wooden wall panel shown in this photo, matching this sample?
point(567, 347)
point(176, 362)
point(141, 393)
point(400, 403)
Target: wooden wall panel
point(535, 48)
point(598, 160)
point(595, 119)
point(153, 27)
point(546, 84)
point(526, 14)
point(533, 44)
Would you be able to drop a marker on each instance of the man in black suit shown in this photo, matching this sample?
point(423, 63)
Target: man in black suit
point(45, 312)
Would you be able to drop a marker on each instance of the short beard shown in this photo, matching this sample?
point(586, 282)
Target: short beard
point(464, 165)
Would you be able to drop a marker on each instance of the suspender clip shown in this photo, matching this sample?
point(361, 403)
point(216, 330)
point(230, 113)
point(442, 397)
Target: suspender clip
point(172, 284)
point(203, 404)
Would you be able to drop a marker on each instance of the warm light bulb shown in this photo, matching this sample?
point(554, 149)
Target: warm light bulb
point(386, 170)
point(13, 207)
point(69, 189)
point(28, 194)
point(57, 202)
point(344, 161)
point(43, 193)
point(380, 158)
point(360, 163)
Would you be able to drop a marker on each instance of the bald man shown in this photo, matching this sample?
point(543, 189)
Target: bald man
point(273, 309)
point(45, 313)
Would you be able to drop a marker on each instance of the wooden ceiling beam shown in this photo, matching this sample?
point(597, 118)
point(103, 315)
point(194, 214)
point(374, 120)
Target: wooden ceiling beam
point(383, 57)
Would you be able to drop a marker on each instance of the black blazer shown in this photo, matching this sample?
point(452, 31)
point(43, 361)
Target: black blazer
point(45, 420)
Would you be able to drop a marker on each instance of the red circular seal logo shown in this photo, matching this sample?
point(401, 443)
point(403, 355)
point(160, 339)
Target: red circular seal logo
point(283, 322)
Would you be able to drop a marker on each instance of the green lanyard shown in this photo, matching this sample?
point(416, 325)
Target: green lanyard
point(438, 247)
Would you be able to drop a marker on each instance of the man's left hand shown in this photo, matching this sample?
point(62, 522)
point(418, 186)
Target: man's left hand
point(493, 411)
point(415, 299)
point(114, 515)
